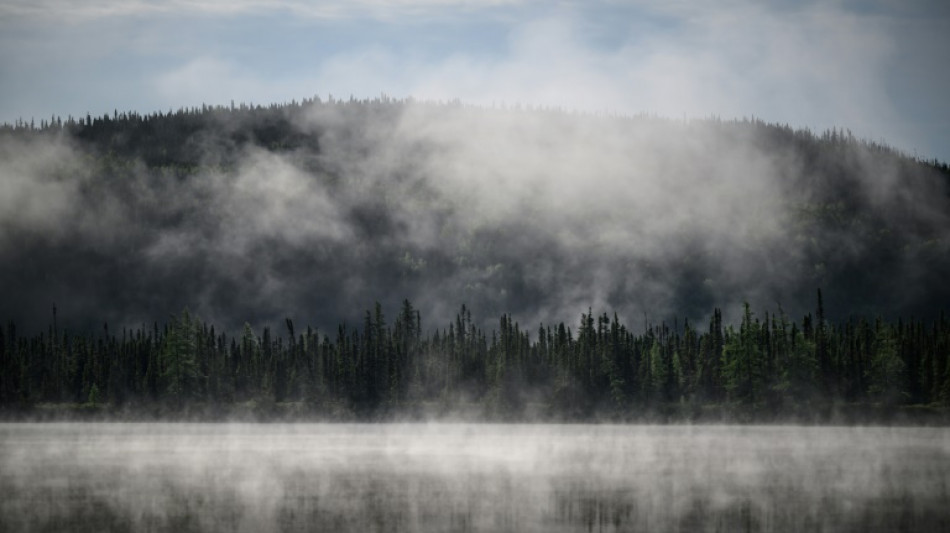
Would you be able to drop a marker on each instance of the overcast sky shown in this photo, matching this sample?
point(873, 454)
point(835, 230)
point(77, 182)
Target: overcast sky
point(876, 67)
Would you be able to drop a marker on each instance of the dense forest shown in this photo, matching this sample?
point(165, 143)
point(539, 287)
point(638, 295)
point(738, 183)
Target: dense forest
point(247, 214)
point(767, 368)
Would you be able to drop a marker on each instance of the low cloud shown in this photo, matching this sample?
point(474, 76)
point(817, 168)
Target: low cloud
point(538, 213)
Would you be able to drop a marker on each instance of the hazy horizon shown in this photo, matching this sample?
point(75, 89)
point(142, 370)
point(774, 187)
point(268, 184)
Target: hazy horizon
point(870, 67)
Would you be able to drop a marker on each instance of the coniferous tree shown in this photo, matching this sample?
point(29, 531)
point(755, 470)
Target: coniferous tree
point(887, 369)
point(179, 367)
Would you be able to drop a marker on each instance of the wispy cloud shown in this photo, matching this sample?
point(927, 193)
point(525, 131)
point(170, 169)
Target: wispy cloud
point(869, 66)
point(67, 10)
point(816, 67)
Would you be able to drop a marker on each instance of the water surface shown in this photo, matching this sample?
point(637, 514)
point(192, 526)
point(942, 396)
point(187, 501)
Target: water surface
point(471, 477)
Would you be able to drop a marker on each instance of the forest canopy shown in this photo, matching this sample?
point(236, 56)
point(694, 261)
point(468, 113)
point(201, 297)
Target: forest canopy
point(763, 369)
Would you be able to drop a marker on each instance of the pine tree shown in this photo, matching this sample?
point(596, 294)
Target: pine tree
point(179, 366)
point(887, 368)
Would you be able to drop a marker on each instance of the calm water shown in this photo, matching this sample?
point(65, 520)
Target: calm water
point(471, 477)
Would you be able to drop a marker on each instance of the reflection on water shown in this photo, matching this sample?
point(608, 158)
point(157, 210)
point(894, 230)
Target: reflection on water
point(471, 477)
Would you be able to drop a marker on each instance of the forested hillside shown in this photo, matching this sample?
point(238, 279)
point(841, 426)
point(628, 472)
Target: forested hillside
point(314, 209)
point(256, 218)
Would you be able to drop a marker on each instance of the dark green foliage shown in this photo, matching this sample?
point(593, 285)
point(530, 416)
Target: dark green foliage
point(764, 370)
point(178, 358)
point(93, 399)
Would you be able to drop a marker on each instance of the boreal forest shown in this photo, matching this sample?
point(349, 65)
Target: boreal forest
point(513, 264)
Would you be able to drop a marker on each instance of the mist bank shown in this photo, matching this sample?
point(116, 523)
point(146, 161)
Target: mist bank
point(484, 477)
point(265, 412)
point(768, 369)
point(313, 208)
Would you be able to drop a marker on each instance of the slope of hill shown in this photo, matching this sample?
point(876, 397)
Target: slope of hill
point(313, 209)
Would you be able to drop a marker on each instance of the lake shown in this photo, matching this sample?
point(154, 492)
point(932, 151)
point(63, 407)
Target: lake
point(471, 477)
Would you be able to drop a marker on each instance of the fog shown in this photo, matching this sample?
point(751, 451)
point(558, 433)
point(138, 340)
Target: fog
point(446, 477)
point(863, 65)
point(541, 213)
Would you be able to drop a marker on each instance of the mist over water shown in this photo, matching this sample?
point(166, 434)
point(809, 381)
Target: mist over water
point(461, 477)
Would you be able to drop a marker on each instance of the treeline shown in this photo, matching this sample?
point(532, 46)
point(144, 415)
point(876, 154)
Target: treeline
point(767, 368)
point(184, 137)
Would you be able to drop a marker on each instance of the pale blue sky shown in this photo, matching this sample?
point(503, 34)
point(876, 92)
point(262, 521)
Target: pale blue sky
point(876, 67)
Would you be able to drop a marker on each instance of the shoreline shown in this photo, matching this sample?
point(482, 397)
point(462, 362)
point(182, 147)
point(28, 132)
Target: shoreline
point(299, 412)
